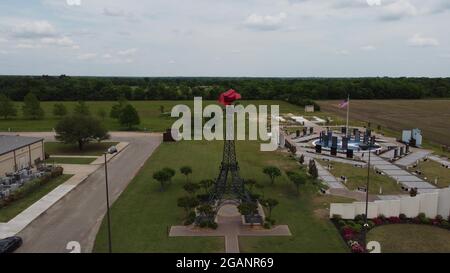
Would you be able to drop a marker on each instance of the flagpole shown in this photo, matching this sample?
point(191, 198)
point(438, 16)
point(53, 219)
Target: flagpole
point(348, 110)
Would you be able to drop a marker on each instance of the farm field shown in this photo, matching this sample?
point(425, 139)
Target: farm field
point(152, 212)
point(149, 112)
point(431, 116)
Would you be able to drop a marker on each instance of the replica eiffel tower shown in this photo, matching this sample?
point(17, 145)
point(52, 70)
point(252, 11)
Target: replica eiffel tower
point(221, 191)
point(229, 165)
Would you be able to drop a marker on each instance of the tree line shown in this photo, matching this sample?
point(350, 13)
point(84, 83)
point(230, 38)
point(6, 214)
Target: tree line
point(295, 90)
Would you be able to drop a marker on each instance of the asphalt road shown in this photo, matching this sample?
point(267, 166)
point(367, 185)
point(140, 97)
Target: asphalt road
point(77, 216)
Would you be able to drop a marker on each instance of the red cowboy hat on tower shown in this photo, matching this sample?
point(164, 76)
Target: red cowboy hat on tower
point(227, 98)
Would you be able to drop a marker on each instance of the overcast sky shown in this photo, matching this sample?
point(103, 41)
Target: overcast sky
point(293, 38)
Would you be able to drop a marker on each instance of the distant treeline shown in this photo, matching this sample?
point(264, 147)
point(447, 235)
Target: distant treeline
point(295, 90)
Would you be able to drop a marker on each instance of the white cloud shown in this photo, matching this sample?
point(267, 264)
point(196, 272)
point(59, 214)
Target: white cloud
point(33, 29)
point(113, 12)
point(374, 2)
point(87, 56)
point(368, 48)
point(28, 46)
point(342, 52)
point(398, 9)
point(420, 41)
point(127, 52)
point(73, 2)
point(62, 41)
point(171, 62)
point(265, 22)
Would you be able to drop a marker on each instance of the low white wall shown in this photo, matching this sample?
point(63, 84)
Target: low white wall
point(432, 204)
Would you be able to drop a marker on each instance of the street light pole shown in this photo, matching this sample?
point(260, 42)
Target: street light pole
point(107, 206)
point(367, 195)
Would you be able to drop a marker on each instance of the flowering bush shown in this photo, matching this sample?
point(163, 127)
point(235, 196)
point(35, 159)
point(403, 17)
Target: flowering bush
point(394, 220)
point(356, 247)
point(377, 221)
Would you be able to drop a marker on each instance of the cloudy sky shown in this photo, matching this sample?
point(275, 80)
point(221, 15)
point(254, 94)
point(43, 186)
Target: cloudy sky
point(293, 38)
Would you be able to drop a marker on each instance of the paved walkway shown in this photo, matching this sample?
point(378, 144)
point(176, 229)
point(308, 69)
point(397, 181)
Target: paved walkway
point(79, 171)
point(412, 158)
point(74, 156)
point(230, 227)
point(439, 160)
point(405, 178)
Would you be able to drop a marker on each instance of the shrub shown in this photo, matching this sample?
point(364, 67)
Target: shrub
point(359, 217)
point(394, 220)
point(267, 225)
point(377, 221)
point(403, 217)
point(445, 224)
point(336, 217)
point(357, 228)
point(212, 224)
point(203, 224)
point(341, 223)
point(421, 216)
point(371, 224)
point(439, 218)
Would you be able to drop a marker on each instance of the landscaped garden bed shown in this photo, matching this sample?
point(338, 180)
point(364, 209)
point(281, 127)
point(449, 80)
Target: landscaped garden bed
point(352, 231)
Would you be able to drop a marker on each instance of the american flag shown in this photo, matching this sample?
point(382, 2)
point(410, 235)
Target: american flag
point(344, 103)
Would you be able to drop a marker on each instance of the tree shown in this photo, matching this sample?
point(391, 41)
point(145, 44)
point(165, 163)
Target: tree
point(59, 110)
point(260, 187)
point(206, 210)
point(270, 204)
point(7, 108)
point(191, 188)
point(273, 172)
point(80, 130)
point(101, 113)
point(312, 170)
point(301, 160)
point(206, 184)
point(81, 109)
point(118, 107)
point(129, 117)
point(170, 172)
point(250, 183)
point(32, 107)
point(162, 177)
point(248, 208)
point(186, 170)
point(297, 179)
point(188, 203)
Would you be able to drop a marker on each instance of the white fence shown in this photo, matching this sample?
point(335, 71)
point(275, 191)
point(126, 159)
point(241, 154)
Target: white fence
point(432, 204)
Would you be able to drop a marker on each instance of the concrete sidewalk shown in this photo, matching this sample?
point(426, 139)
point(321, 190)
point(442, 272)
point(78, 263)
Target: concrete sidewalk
point(80, 173)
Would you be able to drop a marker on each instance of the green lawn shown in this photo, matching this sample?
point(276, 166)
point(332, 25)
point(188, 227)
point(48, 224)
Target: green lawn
point(149, 112)
point(9, 212)
point(357, 177)
point(93, 148)
point(408, 238)
point(142, 214)
point(431, 170)
point(69, 160)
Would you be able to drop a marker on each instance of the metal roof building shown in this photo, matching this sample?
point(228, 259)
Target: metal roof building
point(17, 152)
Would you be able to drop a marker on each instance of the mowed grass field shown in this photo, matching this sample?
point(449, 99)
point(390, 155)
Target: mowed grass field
point(143, 214)
point(431, 116)
point(149, 112)
point(408, 238)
